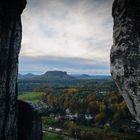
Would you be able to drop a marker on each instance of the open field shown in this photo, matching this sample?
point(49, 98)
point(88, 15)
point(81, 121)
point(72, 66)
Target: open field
point(31, 96)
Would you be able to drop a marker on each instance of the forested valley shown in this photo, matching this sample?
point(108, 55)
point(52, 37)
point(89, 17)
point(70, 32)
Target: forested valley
point(83, 108)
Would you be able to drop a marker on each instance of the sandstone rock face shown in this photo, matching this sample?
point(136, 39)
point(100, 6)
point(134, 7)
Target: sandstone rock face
point(29, 122)
point(125, 52)
point(25, 123)
point(10, 42)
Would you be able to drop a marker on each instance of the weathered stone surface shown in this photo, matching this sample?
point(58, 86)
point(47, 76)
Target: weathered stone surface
point(28, 127)
point(29, 122)
point(125, 52)
point(10, 42)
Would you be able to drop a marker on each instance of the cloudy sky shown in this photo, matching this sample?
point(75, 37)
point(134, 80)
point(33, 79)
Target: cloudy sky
point(68, 35)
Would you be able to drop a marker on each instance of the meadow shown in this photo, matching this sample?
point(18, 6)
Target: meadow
point(34, 97)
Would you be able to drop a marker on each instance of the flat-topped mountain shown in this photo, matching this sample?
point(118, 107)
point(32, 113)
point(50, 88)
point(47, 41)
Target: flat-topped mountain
point(49, 75)
point(56, 74)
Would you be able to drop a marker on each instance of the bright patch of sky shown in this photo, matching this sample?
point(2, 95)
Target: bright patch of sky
point(68, 35)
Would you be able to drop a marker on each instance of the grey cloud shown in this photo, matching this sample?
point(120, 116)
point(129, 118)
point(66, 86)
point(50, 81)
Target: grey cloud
point(72, 65)
point(43, 20)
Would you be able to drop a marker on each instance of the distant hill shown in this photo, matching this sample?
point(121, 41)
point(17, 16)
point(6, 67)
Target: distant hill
point(52, 75)
point(26, 76)
point(20, 76)
point(96, 77)
point(83, 76)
